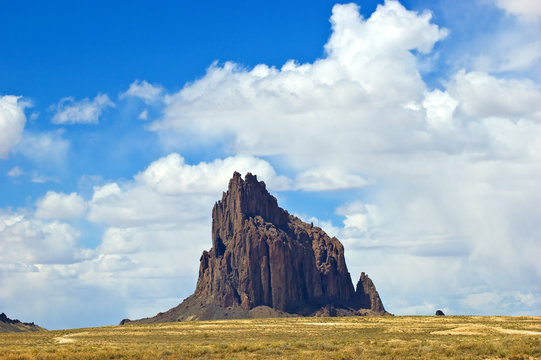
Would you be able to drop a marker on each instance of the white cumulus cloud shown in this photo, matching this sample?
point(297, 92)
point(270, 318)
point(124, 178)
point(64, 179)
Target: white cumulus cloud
point(143, 90)
point(171, 175)
point(85, 111)
point(528, 9)
point(30, 241)
point(349, 100)
point(60, 206)
point(12, 121)
point(170, 190)
point(483, 95)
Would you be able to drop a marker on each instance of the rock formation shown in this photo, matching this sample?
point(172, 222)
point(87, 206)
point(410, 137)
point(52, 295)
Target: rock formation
point(265, 262)
point(9, 325)
point(439, 313)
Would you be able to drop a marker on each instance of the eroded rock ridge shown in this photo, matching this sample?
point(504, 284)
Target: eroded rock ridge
point(265, 262)
point(9, 325)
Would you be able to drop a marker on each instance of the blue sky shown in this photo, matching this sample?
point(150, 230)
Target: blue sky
point(409, 130)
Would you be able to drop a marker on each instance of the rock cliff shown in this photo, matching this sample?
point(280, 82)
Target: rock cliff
point(265, 262)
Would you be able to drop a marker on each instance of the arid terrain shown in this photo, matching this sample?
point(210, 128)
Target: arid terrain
point(15, 325)
point(431, 337)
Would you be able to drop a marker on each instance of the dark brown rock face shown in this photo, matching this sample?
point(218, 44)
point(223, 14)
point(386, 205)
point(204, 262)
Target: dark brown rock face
point(368, 296)
point(266, 262)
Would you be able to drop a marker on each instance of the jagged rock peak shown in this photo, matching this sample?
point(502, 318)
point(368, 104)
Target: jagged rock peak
point(14, 325)
point(249, 198)
point(262, 256)
point(265, 262)
point(368, 295)
point(4, 318)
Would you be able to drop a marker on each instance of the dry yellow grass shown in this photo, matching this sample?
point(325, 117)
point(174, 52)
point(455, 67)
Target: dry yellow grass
point(291, 338)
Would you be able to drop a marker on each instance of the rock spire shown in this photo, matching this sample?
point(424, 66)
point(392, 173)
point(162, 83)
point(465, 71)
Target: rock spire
point(265, 262)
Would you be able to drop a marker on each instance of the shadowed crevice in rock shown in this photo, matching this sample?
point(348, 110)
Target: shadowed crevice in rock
point(265, 262)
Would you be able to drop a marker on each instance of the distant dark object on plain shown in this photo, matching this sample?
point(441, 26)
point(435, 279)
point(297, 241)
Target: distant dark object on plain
point(439, 313)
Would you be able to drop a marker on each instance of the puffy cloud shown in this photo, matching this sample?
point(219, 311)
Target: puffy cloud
point(319, 108)
point(105, 191)
point(171, 175)
point(143, 90)
point(169, 190)
point(527, 9)
point(28, 241)
point(391, 28)
point(12, 121)
point(470, 225)
point(359, 215)
point(130, 268)
point(86, 111)
point(60, 206)
point(141, 205)
point(439, 107)
point(483, 96)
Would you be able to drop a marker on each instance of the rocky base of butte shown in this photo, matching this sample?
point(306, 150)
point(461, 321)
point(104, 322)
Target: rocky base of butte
point(265, 262)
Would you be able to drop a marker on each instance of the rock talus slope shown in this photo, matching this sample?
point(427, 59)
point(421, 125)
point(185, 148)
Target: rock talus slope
point(265, 262)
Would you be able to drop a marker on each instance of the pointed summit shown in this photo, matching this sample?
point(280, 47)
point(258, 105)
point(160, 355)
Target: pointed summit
point(244, 199)
point(265, 262)
point(367, 295)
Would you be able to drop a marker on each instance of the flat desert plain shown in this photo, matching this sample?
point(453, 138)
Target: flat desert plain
point(399, 337)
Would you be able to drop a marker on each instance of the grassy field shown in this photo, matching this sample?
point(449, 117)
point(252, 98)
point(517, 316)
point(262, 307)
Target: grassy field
point(291, 338)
